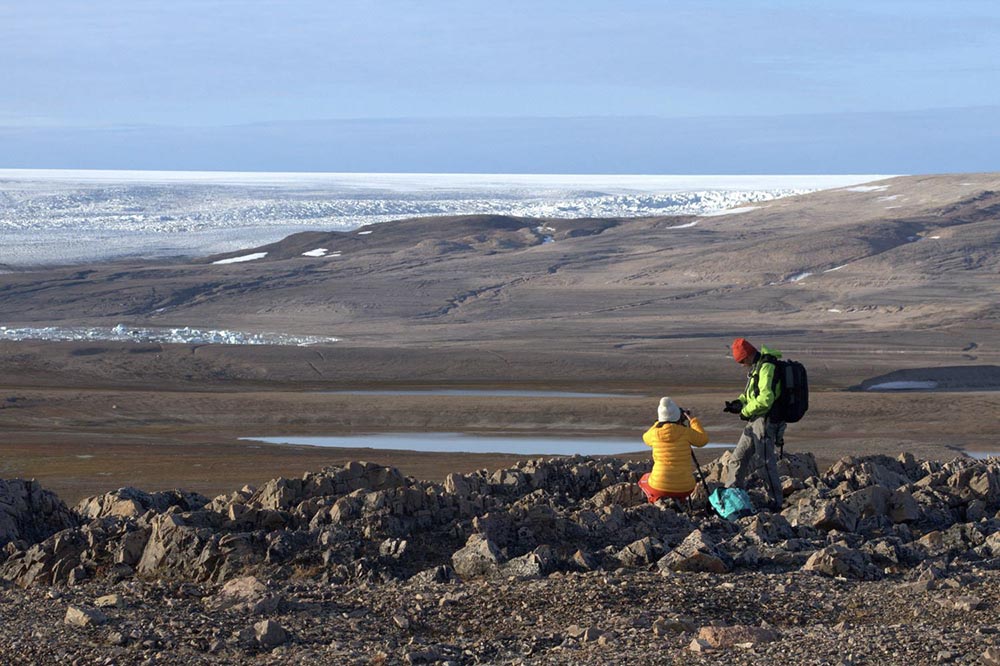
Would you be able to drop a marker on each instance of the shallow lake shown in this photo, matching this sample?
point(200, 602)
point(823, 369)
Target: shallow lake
point(487, 393)
point(983, 455)
point(454, 442)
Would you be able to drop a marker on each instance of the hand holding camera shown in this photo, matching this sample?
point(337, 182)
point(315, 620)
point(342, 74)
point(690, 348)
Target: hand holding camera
point(733, 407)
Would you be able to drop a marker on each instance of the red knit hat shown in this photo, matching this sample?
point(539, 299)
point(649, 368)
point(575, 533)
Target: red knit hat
point(743, 350)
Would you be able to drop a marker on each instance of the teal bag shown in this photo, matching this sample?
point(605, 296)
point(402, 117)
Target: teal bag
point(731, 503)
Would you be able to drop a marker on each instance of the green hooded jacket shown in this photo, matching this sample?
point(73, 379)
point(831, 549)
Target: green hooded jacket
point(760, 392)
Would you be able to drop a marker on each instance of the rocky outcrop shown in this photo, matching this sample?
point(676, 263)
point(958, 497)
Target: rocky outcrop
point(546, 561)
point(131, 503)
point(29, 513)
point(862, 519)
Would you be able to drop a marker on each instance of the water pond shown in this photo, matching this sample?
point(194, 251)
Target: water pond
point(983, 455)
point(454, 442)
point(485, 393)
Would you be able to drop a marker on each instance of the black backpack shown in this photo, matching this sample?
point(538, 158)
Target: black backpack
point(793, 401)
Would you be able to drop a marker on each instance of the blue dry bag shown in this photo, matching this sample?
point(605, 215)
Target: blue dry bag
point(731, 503)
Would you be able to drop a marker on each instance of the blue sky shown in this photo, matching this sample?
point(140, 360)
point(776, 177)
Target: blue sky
point(589, 87)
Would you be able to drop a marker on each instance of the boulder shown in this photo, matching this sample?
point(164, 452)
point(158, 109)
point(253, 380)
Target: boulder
point(246, 594)
point(823, 514)
point(726, 637)
point(540, 562)
point(269, 633)
point(640, 553)
point(856, 472)
point(110, 601)
point(697, 553)
point(869, 501)
point(840, 561)
point(80, 616)
point(623, 494)
point(174, 546)
point(49, 562)
point(769, 528)
point(479, 557)
point(799, 466)
point(903, 507)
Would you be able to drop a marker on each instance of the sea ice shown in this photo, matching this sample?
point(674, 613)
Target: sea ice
point(186, 335)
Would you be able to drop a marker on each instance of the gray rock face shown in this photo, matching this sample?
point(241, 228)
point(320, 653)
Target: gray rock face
point(29, 513)
point(479, 557)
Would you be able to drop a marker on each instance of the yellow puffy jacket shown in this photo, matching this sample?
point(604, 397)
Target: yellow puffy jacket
point(672, 442)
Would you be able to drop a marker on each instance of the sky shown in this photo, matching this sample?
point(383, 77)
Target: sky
point(685, 86)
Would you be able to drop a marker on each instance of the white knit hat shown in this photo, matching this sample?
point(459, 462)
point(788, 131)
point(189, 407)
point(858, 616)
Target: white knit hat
point(668, 410)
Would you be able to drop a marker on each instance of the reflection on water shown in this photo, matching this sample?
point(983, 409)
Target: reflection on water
point(453, 442)
point(488, 393)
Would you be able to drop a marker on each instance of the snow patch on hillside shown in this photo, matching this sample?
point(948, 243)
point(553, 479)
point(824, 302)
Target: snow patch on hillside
point(240, 260)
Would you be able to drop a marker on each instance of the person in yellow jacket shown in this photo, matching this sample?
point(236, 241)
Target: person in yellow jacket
point(671, 438)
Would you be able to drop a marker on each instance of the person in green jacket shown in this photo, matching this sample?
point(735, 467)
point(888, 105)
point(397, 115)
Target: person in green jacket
point(755, 450)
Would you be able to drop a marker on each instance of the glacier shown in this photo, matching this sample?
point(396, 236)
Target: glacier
point(186, 335)
point(71, 216)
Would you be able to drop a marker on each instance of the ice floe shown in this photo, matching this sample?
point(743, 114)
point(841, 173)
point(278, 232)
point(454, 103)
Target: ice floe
point(186, 335)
